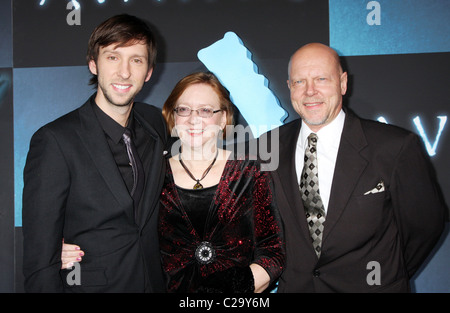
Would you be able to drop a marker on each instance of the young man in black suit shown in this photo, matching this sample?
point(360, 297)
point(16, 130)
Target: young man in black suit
point(377, 211)
point(83, 184)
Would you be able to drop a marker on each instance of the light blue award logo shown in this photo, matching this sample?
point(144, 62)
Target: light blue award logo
point(231, 62)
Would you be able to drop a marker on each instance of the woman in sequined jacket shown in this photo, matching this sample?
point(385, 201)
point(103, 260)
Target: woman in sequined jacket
point(219, 228)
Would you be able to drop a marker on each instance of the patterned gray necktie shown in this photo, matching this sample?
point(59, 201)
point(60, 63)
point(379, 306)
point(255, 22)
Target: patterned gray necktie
point(309, 187)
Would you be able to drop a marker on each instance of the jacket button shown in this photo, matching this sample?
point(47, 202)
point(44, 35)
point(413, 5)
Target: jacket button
point(316, 273)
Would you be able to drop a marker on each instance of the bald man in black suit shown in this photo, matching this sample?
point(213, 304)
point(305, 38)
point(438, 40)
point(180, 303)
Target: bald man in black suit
point(382, 210)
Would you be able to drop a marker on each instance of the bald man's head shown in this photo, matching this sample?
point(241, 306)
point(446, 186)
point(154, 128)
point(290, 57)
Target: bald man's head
point(317, 48)
point(317, 84)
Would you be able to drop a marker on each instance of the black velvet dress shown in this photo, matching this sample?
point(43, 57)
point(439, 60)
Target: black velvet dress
point(231, 225)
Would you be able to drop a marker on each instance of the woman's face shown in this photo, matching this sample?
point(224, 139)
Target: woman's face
point(194, 130)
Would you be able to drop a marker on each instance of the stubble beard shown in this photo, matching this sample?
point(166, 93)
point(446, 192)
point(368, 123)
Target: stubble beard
point(314, 122)
point(124, 103)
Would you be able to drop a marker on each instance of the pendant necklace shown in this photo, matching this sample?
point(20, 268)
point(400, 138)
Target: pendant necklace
point(198, 185)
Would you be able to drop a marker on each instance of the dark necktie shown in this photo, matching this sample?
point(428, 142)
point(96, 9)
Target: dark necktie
point(136, 165)
point(309, 187)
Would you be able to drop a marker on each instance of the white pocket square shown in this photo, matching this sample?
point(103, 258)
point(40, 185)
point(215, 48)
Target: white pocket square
point(378, 188)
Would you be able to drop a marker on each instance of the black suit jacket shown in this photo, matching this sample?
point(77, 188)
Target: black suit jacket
point(396, 228)
point(74, 190)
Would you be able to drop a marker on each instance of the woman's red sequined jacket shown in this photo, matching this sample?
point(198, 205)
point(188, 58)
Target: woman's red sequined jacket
point(242, 227)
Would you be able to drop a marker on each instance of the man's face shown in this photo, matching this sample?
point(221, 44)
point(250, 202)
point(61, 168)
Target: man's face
point(316, 84)
point(121, 73)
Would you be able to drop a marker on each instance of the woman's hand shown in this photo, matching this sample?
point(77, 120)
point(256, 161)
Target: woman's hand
point(70, 254)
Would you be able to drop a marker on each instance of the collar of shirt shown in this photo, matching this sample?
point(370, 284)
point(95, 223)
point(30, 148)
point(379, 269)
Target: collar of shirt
point(329, 136)
point(111, 128)
point(327, 150)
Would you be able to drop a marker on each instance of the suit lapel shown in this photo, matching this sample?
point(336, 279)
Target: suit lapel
point(287, 175)
point(93, 137)
point(154, 168)
point(350, 164)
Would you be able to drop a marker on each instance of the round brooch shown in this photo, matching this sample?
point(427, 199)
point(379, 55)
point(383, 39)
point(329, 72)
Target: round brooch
point(205, 253)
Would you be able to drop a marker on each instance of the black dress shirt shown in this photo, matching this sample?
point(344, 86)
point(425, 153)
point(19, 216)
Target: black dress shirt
point(113, 133)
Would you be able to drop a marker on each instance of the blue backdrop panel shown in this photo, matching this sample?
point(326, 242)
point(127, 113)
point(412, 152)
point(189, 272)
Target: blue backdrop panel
point(434, 275)
point(362, 27)
point(40, 96)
